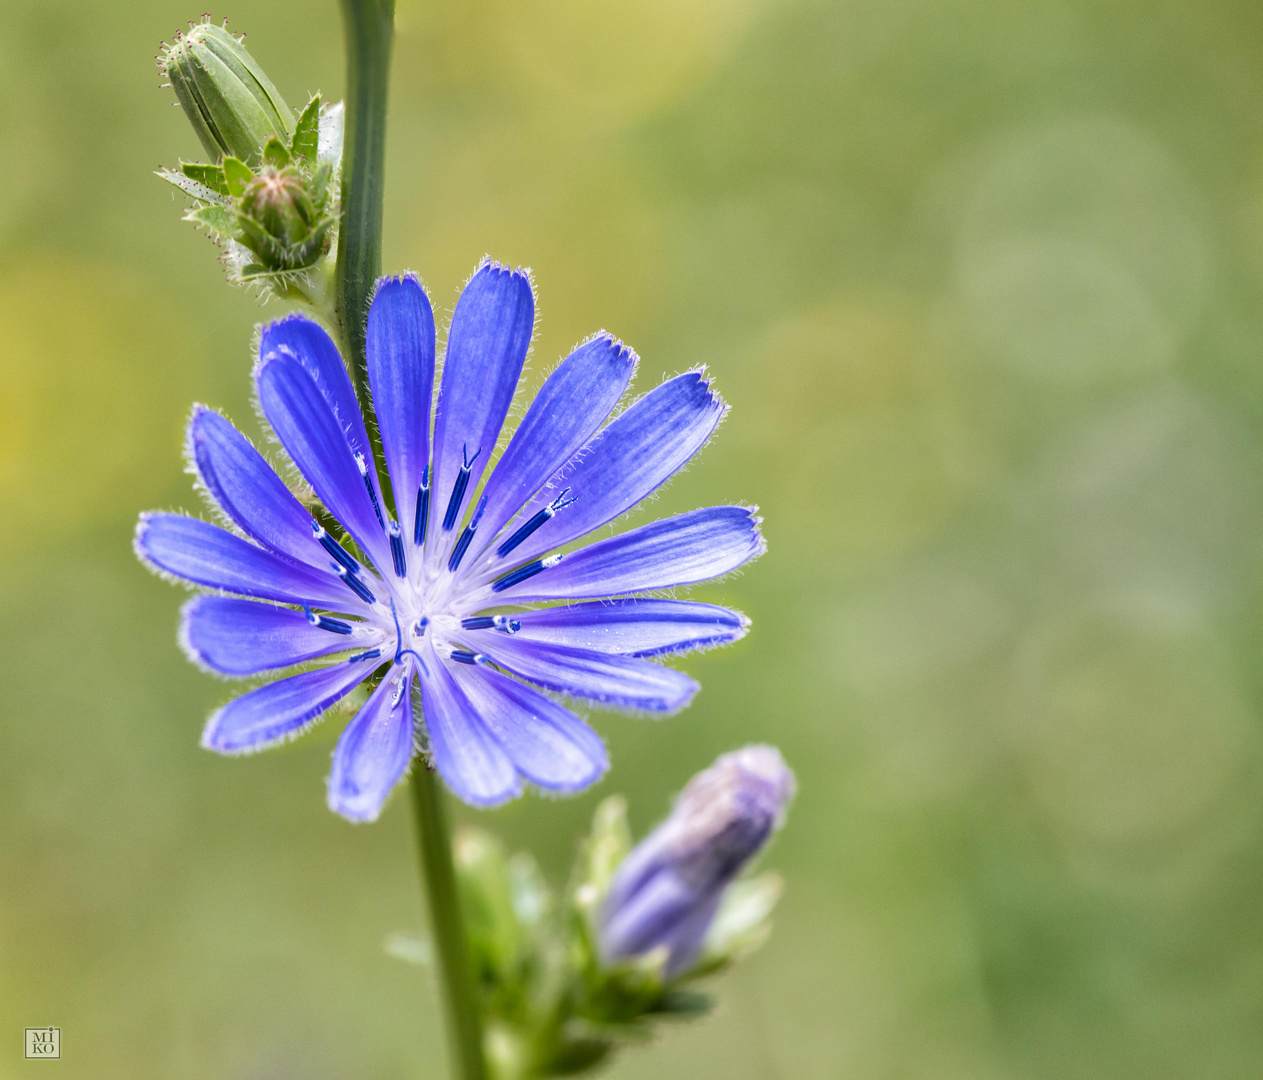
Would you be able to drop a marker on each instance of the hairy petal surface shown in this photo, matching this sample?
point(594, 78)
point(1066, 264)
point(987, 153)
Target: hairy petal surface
point(279, 710)
point(244, 637)
point(597, 676)
point(248, 490)
point(486, 347)
point(628, 459)
point(548, 744)
point(373, 752)
point(400, 346)
point(470, 760)
point(207, 555)
point(317, 442)
point(571, 405)
point(632, 627)
point(680, 550)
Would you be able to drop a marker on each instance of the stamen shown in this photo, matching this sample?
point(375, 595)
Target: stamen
point(367, 654)
point(355, 584)
point(422, 623)
point(396, 550)
point(323, 622)
point(491, 622)
point(423, 509)
point(334, 548)
point(458, 488)
point(400, 651)
point(462, 545)
point(464, 656)
point(516, 577)
point(362, 465)
point(549, 511)
point(400, 689)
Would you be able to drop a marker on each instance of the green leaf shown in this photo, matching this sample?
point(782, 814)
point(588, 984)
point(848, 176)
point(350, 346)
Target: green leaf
point(684, 1003)
point(307, 133)
point(193, 188)
point(210, 175)
point(237, 175)
point(216, 218)
point(606, 847)
point(275, 153)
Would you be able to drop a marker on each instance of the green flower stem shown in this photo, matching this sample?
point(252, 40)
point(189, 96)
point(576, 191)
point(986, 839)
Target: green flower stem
point(369, 29)
point(448, 925)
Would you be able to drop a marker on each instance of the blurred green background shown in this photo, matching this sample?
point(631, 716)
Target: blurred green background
point(982, 282)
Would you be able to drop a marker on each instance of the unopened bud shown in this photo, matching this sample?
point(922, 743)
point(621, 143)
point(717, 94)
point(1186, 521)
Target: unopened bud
point(231, 103)
point(665, 894)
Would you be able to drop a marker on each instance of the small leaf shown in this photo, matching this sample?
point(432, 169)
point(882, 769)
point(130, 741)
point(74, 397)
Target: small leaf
point(192, 188)
point(307, 132)
point(216, 218)
point(684, 1003)
point(275, 153)
point(237, 175)
point(210, 175)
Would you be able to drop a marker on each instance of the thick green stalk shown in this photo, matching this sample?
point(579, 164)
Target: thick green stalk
point(369, 29)
point(448, 925)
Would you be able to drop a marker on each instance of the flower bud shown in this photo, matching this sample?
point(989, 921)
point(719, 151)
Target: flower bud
point(232, 105)
point(665, 894)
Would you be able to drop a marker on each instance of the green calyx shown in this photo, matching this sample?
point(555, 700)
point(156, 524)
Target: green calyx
point(231, 103)
point(275, 216)
point(550, 1006)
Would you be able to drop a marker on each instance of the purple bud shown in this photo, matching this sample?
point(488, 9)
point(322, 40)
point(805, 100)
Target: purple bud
point(666, 892)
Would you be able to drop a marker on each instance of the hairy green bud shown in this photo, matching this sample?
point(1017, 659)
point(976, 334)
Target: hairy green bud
point(231, 103)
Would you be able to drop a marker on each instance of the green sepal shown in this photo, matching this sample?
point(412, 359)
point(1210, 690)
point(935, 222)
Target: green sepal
point(195, 189)
point(607, 845)
point(210, 175)
point(237, 175)
point(742, 923)
point(218, 219)
point(307, 133)
point(683, 1004)
point(275, 153)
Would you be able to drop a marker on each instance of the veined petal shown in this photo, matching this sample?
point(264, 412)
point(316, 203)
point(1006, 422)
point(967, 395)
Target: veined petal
point(373, 753)
point(472, 763)
point(570, 406)
point(400, 346)
point(633, 627)
point(486, 347)
point(628, 459)
point(316, 440)
point(244, 637)
point(208, 555)
point(584, 673)
point(548, 744)
point(248, 490)
point(680, 550)
point(280, 710)
point(306, 341)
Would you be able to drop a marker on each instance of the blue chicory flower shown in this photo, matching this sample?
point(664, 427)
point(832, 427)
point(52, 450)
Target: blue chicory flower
point(666, 892)
point(441, 592)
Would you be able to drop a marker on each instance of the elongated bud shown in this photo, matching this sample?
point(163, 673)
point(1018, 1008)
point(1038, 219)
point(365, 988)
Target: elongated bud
point(231, 103)
point(665, 894)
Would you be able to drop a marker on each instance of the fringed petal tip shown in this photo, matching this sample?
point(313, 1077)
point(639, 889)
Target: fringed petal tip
point(494, 266)
point(407, 278)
